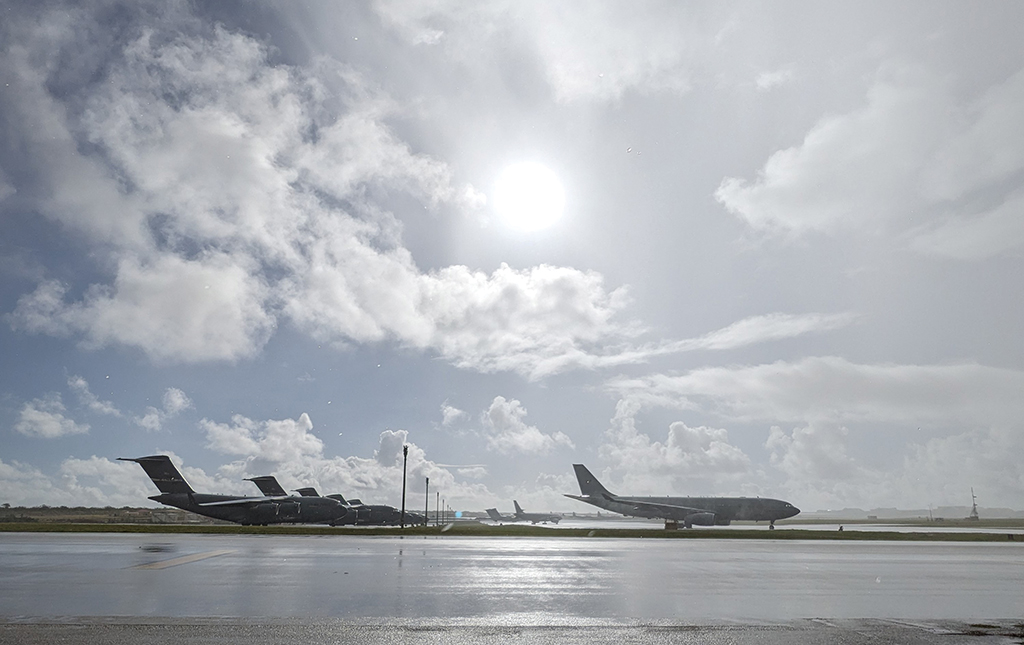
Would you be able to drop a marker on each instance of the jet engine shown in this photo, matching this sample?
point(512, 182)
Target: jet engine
point(700, 519)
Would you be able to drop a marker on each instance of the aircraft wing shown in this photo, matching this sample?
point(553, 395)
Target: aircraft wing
point(243, 501)
point(667, 511)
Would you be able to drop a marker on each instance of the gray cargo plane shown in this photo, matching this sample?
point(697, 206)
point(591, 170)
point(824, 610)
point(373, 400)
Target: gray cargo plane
point(269, 509)
point(702, 511)
point(367, 514)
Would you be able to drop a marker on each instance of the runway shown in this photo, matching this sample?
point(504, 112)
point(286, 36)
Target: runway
point(536, 581)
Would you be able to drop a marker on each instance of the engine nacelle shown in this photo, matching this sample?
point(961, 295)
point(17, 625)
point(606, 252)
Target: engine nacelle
point(700, 519)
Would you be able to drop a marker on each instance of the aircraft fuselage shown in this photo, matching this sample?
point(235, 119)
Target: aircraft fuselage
point(288, 510)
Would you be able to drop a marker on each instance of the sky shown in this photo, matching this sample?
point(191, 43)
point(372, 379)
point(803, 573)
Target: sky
point(736, 248)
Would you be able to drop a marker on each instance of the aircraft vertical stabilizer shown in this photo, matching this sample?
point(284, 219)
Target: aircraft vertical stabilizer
point(163, 473)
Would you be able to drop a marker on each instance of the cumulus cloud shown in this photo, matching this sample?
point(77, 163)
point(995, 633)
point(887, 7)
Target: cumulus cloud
point(174, 403)
point(226, 194)
point(691, 459)
point(508, 433)
point(288, 449)
point(450, 414)
point(914, 151)
point(45, 418)
point(80, 387)
point(25, 485)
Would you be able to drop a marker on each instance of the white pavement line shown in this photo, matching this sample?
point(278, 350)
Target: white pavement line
point(185, 559)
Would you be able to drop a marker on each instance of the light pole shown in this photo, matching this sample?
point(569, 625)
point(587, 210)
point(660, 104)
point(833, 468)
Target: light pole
point(437, 510)
point(426, 503)
point(405, 460)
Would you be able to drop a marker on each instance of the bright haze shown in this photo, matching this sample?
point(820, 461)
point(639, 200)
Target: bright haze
point(736, 249)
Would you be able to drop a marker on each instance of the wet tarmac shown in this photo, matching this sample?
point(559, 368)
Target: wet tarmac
point(542, 581)
point(330, 631)
point(638, 523)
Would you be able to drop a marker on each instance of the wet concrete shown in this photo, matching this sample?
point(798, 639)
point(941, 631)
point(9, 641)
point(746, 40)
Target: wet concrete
point(512, 581)
point(317, 631)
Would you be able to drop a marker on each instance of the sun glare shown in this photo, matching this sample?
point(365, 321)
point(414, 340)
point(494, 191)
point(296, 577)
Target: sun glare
point(528, 196)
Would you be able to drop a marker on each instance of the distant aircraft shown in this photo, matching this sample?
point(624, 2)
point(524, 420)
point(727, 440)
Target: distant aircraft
point(520, 516)
point(499, 518)
point(269, 509)
point(535, 517)
point(702, 511)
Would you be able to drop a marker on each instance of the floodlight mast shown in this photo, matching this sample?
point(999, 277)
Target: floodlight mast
point(405, 461)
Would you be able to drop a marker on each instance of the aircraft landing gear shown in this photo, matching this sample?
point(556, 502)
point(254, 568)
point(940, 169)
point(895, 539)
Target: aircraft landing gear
point(771, 525)
point(671, 525)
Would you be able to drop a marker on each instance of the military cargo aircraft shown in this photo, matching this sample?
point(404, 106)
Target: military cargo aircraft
point(702, 511)
point(268, 509)
point(366, 514)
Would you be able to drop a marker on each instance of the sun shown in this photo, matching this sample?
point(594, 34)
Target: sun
point(528, 196)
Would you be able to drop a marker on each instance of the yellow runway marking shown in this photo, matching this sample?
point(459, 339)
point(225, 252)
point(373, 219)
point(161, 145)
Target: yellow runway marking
point(185, 559)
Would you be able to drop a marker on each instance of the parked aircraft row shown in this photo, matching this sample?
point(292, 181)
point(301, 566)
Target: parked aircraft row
point(275, 506)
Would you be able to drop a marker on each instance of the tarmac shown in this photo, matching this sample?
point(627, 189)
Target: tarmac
point(129, 588)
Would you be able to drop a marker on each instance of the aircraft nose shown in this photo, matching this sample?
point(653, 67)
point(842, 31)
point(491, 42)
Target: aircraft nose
point(793, 510)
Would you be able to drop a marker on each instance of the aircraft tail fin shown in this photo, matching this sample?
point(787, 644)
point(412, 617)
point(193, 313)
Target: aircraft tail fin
point(519, 509)
point(307, 492)
point(588, 483)
point(339, 497)
point(268, 486)
point(494, 514)
point(163, 473)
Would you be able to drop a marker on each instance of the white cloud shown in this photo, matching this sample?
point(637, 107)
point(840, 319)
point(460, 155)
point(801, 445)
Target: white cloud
point(80, 387)
point(508, 433)
point(836, 390)
point(767, 327)
point(45, 419)
point(174, 403)
point(238, 217)
point(691, 460)
point(450, 414)
point(25, 485)
point(288, 449)
point(915, 151)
